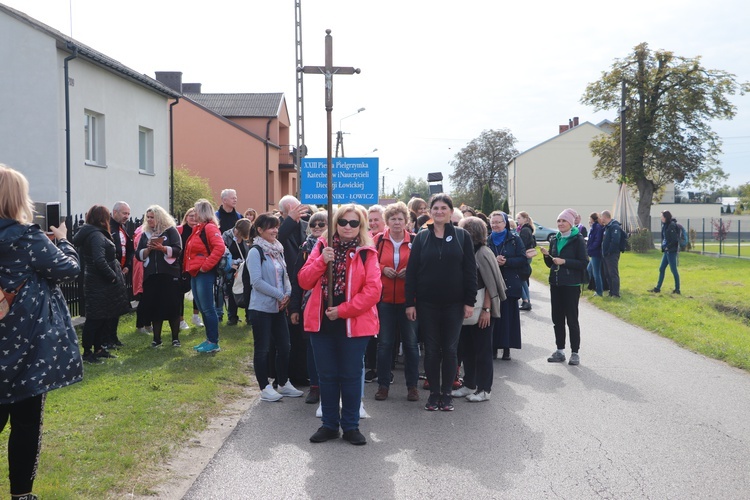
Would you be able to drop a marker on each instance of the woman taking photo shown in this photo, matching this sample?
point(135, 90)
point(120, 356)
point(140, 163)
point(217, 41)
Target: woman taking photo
point(476, 339)
point(103, 283)
point(268, 302)
point(394, 247)
point(340, 333)
point(670, 245)
point(43, 349)
point(567, 260)
point(441, 287)
point(526, 231)
point(159, 249)
point(510, 253)
point(203, 251)
point(316, 227)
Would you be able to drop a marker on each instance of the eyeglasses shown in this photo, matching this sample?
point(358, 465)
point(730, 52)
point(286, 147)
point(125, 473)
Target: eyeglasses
point(352, 223)
point(317, 224)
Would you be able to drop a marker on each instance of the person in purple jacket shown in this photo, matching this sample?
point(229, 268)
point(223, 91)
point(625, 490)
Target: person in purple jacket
point(594, 250)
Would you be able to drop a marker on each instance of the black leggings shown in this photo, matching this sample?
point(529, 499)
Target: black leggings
point(24, 442)
point(564, 301)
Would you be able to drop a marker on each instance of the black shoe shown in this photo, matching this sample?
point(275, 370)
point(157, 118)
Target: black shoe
point(90, 357)
point(370, 376)
point(433, 402)
point(103, 353)
point(446, 403)
point(355, 437)
point(117, 343)
point(677, 292)
point(313, 397)
point(324, 434)
point(156, 344)
point(525, 306)
point(232, 321)
point(654, 290)
point(506, 354)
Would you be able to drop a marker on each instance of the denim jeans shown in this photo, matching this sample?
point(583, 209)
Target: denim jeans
point(669, 258)
point(595, 270)
point(564, 301)
point(340, 362)
point(525, 288)
point(203, 293)
point(267, 326)
point(476, 351)
point(392, 320)
point(441, 326)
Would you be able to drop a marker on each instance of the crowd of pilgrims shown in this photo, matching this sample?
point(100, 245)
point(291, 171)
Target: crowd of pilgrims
point(425, 278)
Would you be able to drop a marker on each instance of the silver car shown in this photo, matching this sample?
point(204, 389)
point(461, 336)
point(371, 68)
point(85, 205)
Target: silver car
point(542, 233)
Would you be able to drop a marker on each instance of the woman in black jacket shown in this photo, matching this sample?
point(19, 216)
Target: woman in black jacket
point(441, 287)
point(670, 245)
point(103, 283)
point(510, 253)
point(567, 261)
point(159, 249)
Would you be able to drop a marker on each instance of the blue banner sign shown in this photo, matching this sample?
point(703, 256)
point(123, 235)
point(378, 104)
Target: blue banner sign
point(355, 180)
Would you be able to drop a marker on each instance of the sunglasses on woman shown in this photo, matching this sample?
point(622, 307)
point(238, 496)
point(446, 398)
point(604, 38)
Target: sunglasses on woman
point(352, 223)
point(317, 224)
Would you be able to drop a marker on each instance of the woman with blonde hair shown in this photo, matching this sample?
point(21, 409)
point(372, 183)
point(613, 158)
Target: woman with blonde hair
point(203, 251)
point(43, 353)
point(340, 332)
point(159, 249)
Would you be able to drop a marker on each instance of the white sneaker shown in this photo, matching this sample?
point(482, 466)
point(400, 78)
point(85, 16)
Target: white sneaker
point(478, 397)
point(362, 412)
point(197, 321)
point(462, 392)
point(289, 390)
point(184, 325)
point(319, 411)
point(142, 330)
point(269, 394)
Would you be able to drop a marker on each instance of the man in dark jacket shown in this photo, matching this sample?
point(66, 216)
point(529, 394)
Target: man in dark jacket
point(611, 252)
point(292, 233)
point(227, 213)
point(124, 252)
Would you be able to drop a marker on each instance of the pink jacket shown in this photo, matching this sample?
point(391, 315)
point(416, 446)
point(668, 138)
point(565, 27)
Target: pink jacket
point(363, 289)
point(137, 267)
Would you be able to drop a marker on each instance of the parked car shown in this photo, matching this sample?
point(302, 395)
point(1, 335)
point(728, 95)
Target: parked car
point(542, 233)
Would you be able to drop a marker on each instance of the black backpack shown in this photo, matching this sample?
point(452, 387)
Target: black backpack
point(242, 286)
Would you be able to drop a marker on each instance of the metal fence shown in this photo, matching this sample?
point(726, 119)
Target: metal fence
point(73, 290)
point(720, 236)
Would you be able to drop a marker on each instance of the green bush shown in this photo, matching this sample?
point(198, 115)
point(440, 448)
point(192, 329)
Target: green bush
point(641, 241)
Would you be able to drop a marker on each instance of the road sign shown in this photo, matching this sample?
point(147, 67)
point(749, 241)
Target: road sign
point(355, 180)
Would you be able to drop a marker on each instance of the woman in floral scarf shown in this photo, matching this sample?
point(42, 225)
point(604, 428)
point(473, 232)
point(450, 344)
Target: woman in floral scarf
point(340, 333)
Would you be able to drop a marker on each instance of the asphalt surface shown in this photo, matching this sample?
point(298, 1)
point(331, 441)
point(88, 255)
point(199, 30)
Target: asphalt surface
point(640, 417)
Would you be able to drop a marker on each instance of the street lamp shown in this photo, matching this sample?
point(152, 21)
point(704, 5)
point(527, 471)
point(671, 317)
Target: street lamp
point(389, 169)
point(340, 134)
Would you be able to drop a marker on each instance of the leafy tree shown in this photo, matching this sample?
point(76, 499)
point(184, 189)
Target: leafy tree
point(743, 192)
point(506, 207)
point(413, 185)
point(189, 188)
point(483, 163)
point(488, 204)
point(670, 102)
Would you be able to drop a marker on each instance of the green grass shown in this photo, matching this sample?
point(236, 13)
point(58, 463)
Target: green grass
point(109, 434)
point(711, 317)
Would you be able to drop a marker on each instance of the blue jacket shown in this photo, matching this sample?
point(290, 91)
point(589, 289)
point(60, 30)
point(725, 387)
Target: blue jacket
point(612, 236)
point(594, 244)
point(516, 266)
point(38, 345)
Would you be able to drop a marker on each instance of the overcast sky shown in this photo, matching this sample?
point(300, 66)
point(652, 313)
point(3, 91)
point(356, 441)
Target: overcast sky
point(434, 73)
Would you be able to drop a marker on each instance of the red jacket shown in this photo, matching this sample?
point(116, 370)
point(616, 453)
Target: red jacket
point(196, 257)
point(363, 288)
point(393, 288)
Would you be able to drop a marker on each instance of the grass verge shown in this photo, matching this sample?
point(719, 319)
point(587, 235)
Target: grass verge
point(108, 435)
point(711, 317)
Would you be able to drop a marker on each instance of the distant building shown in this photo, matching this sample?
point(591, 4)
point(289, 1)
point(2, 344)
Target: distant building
point(118, 120)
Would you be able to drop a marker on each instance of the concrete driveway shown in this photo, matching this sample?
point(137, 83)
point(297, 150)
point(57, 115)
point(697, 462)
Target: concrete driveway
point(639, 418)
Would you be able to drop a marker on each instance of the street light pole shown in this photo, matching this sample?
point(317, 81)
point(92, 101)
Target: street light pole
point(340, 134)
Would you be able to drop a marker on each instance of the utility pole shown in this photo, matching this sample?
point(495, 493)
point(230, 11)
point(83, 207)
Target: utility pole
point(301, 147)
point(328, 71)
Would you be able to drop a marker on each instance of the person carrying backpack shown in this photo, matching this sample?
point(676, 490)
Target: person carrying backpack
point(611, 249)
point(670, 245)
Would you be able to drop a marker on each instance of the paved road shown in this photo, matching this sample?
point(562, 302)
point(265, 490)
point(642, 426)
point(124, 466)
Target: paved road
point(639, 418)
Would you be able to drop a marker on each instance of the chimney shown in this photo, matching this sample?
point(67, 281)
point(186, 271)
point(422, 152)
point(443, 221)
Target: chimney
point(191, 88)
point(563, 128)
point(570, 123)
point(172, 79)
point(575, 121)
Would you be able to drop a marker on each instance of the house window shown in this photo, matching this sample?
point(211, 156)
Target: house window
point(145, 150)
point(93, 131)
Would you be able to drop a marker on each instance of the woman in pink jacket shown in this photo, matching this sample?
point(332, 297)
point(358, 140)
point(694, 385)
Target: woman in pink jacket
point(341, 332)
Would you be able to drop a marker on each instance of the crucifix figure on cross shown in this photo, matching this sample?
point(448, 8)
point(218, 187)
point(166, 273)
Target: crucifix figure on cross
point(328, 71)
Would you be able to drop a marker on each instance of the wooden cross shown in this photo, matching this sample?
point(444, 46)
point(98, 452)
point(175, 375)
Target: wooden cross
point(328, 71)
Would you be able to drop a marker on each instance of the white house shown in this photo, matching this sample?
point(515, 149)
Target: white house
point(107, 139)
